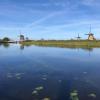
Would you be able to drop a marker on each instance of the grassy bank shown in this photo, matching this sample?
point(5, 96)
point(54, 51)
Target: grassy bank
point(64, 43)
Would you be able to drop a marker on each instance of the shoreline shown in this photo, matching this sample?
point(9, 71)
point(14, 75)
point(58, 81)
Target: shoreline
point(63, 43)
point(58, 43)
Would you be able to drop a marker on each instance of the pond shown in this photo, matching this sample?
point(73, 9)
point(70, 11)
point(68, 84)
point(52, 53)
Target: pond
point(49, 73)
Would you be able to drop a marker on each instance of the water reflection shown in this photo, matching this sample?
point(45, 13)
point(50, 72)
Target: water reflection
point(90, 49)
point(22, 47)
point(6, 45)
point(40, 73)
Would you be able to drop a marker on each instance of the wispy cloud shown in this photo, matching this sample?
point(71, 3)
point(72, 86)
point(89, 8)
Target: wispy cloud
point(49, 16)
point(39, 21)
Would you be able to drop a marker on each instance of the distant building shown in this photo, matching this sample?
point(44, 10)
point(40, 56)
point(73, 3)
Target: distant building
point(22, 38)
point(27, 38)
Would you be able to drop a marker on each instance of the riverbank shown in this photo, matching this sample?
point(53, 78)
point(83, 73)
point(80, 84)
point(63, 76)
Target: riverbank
point(64, 43)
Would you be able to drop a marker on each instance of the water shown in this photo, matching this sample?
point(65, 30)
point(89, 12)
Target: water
point(44, 73)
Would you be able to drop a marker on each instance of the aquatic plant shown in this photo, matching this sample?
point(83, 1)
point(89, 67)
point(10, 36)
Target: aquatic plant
point(34, 92)
point(44, 78)
point(9, 75)
point(18, 75)
point(46, 99)
point(74, 95)
point(18, 78)
point(15, 75)
point(39, 88)
point(92, 95)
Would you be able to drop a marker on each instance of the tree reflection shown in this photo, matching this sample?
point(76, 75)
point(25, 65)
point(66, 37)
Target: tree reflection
point(6, 45)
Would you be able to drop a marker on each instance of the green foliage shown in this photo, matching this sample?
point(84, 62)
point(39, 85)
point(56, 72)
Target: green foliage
point(5, 39)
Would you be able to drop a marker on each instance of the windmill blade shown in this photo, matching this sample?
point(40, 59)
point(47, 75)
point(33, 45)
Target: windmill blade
point(78, 37)
point(91, 34)
point(87, 34)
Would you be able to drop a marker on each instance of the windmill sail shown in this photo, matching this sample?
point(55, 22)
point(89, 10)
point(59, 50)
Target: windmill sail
point(90, 35)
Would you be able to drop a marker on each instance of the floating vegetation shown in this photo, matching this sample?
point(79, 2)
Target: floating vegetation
point(18, 74)
point(46, 99)
point(44, 75)
point(74, 95)
point(18, 78)
point(44, 78)
point(15, 75)
point(34, 92)
point(37, 90)
point(9, 75)
point(92, 95)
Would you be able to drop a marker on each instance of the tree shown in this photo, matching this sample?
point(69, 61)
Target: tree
point(5, 39)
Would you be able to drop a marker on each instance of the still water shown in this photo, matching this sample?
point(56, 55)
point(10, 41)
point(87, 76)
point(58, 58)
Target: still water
point(44, 73)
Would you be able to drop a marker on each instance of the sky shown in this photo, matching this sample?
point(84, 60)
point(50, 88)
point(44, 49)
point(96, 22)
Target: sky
point(49, 19)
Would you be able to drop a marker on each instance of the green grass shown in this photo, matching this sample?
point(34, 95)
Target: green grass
point(64, 43)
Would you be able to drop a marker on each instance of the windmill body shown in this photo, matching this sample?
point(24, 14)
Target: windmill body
point(78, 37)
point(91, 35)
point(22, 38)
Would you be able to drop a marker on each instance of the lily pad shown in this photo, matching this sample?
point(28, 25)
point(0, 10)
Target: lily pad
point(46, 99)
point(34, 92)
point(39, 88)
point(92, 95)
point(9, 75)
point(44, 79)
point(18, 78)
point(17, 74)
point(74, 95)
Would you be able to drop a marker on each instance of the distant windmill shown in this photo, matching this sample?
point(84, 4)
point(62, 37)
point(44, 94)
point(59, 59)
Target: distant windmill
point(22, 38)
point(90, 35)
point(78, 37)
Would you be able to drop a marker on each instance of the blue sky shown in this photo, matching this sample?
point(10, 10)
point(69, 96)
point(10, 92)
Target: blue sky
point(49, 19)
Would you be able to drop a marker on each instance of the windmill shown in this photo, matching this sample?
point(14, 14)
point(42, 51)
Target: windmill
point(78, 37)
point(90, 35)
point(22, 38)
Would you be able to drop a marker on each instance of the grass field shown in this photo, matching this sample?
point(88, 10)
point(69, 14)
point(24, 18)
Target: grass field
point(64, 43)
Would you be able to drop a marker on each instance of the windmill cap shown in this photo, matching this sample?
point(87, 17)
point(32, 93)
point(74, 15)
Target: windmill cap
point(91, 33)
